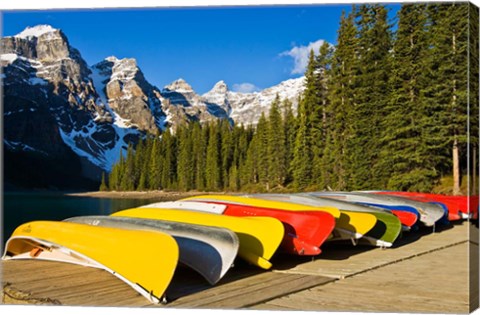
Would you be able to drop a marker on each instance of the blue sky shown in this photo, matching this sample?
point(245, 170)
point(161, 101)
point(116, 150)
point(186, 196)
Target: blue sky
point(247, 47)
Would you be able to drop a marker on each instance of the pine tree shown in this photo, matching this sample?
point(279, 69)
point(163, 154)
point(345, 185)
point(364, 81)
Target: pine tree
point(155, 166)
point(139, 160)
point(320, 170)
point(276, 152)
point(227, 150)
point(261, 151)
point(338, 153)
point(449, 76)
point(212, 167)
point(115, 177)
point(473, 92)
point(406, 153)
point(128, 179)
point(103, 184)
point(307, 121)
point(249, 169)
point(245, 159)
point(142, 182)
point(168, 151)
point(234, 181)
point(185, 162)
point(289, 128)
point(199, 136)
point(372, 68)
point(145, 167)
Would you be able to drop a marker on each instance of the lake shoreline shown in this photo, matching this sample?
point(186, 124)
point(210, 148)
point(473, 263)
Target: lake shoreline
point(155, 194)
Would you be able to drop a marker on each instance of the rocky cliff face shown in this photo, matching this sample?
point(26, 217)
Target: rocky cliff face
point(57, 108)
point(128, 97)
point(51, 106)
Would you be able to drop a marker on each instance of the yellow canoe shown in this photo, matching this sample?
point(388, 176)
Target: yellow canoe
point(146, 260)
point(348, 224)
point(259, 236)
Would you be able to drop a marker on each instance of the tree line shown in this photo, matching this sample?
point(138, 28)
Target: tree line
point(390, 106)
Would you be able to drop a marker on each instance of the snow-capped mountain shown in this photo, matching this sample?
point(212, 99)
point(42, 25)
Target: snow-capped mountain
point(58, 108)
point(48, 79)
point(246, 108)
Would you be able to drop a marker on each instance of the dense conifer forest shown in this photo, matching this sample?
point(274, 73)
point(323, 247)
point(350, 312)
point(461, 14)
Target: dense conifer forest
point(394, 105)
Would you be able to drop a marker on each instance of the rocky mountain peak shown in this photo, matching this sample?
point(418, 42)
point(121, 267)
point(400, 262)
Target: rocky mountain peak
point(179, 85)
point(41, 42)
point(219, 88)
point(118, 69)
point(111, 59)
point(38, 31)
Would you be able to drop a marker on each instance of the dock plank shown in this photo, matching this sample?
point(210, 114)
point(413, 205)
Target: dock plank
point(344, 260)
point(435, 282)
point(238, 294)
point(77, 285)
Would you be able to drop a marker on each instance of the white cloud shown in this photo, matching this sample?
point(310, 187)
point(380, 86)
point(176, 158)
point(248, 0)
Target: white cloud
point(300, 55)
point(245, 88)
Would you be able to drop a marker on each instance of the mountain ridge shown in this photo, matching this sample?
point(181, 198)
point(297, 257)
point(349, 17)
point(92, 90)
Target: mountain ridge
point(65, 106)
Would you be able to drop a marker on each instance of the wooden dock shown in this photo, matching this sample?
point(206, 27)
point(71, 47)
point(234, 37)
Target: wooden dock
point(424, 272)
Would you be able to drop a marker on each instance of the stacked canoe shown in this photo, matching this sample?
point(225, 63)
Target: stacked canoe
point(144, 246)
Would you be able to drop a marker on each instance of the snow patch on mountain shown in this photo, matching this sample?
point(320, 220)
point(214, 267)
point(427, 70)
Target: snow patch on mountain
point(8, 58)
point(246, 108)
point(36, 31)
point(104, 155)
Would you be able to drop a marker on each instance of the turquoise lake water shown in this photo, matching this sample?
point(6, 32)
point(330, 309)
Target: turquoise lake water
point(19, 208)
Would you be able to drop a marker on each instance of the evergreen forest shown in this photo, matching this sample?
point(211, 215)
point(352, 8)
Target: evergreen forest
point(393, 105)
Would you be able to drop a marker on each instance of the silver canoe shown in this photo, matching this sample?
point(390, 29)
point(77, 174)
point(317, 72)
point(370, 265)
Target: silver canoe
point(429, 213)
point(208, 250)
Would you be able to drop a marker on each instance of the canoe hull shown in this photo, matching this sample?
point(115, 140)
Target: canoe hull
point(349, 225)
point(346, 226)
point(305, 231)
point(259, 237)
point(208, 250)
point(429, 213)
point(117, 251)
point(459, 207)
point(383, 234)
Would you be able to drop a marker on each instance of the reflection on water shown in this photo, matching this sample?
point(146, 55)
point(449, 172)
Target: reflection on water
point(19, 208)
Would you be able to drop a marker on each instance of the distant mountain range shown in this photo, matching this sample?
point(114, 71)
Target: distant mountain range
point(66, 122)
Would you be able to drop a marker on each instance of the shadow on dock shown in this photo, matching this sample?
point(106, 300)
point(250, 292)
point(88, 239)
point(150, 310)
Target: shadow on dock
point(187, 282)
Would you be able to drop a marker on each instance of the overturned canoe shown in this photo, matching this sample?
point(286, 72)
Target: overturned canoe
point(384, 233)
point(407, 215)
point(208, 250)
point(459, 207)
point(305, 231)
point(262, 203)
point(145, 260)
point(259, 236)
point(345, 226)
point(429, 213)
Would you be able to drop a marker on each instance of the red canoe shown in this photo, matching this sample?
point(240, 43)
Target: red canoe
point(305, 231)
point(406, 218)
point(458, 206)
